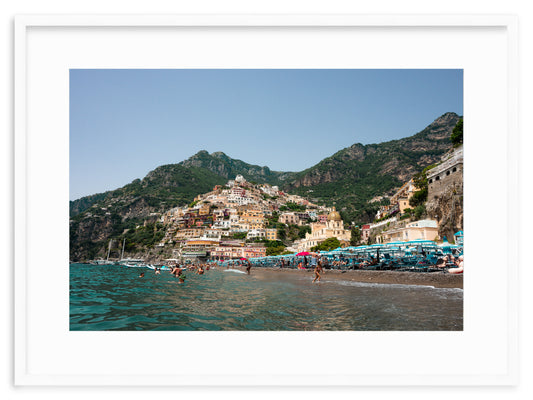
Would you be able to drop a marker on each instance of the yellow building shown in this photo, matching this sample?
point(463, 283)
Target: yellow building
point(333, 227)
point(188, 233)
point(201, 247)
point(204, 209)
point(252, 219)
point(271, 234)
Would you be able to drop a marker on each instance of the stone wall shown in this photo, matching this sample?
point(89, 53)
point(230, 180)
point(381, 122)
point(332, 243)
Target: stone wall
point(445, 204)
point(438, 183)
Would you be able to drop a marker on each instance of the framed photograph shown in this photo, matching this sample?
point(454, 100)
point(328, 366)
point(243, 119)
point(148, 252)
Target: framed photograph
point(68, 65)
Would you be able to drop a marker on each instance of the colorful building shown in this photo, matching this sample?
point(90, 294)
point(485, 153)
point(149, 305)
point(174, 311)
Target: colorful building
point(334, 227)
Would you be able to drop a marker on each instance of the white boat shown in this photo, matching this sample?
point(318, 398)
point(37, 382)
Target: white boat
point(162, 268)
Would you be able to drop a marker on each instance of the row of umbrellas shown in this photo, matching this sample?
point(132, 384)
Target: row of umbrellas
point(412, 244)
point(391, 246)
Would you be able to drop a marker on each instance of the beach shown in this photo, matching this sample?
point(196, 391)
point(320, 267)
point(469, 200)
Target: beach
point(435, 279)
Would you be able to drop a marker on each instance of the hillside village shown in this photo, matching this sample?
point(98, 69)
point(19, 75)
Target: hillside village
point(224, 223)
point(400, 190)
point(242, 219)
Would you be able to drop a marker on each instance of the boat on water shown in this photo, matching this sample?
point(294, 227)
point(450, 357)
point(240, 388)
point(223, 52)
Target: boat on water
point(100, 262)
point(161, 267)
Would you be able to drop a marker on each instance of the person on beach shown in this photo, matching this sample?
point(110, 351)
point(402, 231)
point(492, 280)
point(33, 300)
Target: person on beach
point(313, 262)
point(318, 270)
point(460, 266)
point(441, 262)
point(248, 267)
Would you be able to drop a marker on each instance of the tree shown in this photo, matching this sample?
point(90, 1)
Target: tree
point(420, 210)
point(418, 198)
point(327, 245)
point(302, 230)
point(457, 133)
point(282, 233)
point(421, 182)
point(355, 237)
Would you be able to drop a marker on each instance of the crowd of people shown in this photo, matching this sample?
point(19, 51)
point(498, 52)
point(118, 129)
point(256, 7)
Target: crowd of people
point(448, 263)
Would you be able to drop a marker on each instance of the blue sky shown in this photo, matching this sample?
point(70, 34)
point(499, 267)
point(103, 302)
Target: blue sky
point(125, 123)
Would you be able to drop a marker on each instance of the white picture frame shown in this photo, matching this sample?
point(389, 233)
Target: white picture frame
point(47, 46)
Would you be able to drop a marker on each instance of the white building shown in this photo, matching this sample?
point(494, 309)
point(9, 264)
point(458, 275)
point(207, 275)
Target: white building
point(256, 233)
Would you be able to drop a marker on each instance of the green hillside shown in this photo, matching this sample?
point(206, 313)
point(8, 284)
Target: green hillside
point(349, 179)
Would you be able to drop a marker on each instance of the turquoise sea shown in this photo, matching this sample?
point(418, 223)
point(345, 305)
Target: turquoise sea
point(109, 297)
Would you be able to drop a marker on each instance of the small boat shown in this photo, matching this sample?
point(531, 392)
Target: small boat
point(161, 267)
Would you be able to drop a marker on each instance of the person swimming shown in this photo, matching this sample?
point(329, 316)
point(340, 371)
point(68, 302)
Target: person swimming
point(142, 275)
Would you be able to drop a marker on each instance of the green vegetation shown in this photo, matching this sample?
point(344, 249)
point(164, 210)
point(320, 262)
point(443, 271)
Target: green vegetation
point(240, 235)
point(78, 206)
point(146, 236)
point(457, 134)
point(292, 232)
point(327, 245)
point(420, 211)
point(274, 247)
point(407, 213)
point(272, 222)
point(289, 206)
point(421, 182)
point(355, 237)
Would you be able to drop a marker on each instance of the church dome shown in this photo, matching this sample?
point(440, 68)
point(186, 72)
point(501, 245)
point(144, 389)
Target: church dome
point(334, 216)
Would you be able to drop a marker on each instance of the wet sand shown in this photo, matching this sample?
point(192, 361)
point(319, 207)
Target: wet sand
point(436, 279)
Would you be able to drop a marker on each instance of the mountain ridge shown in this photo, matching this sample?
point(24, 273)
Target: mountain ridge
point(348, 179)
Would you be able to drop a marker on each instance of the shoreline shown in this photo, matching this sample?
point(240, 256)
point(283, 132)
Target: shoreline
point(435, 279)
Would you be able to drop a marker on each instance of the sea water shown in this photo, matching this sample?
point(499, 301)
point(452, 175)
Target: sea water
point(107, 297)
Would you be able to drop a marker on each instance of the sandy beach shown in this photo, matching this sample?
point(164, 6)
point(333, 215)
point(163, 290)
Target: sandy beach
point(436, 279)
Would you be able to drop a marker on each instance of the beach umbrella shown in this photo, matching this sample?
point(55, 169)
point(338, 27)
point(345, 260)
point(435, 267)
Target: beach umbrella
point(421, 241)
point(303, 253)
point(396, 244)
point(243, 259)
